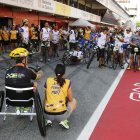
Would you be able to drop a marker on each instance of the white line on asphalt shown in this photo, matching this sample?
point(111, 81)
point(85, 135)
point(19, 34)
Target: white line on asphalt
point(88, 129)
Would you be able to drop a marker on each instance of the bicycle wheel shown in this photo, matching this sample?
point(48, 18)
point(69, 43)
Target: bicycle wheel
point(127, 57)
point(115, 61)
point(1, 99)
point(89, 62)
point(135, 64)
point(40, 114)
point(86, 56)
point(37, 46)
point(54, 50)
point(66, 58)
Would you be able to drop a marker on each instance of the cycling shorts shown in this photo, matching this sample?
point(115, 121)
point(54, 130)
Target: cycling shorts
point(6, 42)
point(101, 53)
point(120, 49)
point(33, 41)
point(13, 40)
point(132, 51)
point(57, 44)
point(125, 46)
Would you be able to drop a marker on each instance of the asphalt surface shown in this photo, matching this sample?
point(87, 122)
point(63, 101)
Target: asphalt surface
point(89, 86)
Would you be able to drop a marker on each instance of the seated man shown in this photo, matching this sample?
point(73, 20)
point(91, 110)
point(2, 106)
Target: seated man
point(77, 55)
point(20, 73)
point(81, 41)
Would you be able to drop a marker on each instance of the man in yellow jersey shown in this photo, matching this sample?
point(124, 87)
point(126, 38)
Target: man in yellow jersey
point(5, 36)
point(33, 32)
point(0, 39)
point(61, 39)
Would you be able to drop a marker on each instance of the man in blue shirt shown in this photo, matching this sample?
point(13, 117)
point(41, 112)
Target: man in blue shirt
point(81, 41)
point(92, 34)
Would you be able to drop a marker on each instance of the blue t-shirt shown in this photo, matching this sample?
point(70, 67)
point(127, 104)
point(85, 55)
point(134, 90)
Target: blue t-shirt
point(9, 29)
point(81, 42)
point(111, 39)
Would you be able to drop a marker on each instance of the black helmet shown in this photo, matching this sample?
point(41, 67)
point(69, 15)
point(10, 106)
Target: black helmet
point(105, 28)
point(81, 36)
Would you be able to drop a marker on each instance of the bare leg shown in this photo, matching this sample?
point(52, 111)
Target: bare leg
point(131, 59)
point(100, 59)
point(16, 45)
point(121, 55)
point(42, 52)
point(12, 46)
point(48, 52)
point(138, 60)
point(113, 57)
point(72, 105)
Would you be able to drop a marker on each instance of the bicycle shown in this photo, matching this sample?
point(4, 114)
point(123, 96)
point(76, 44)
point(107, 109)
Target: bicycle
point(116, 58)
point(36, 46)
point(135, 63)
point(128, 53)
point(85, 54)
point(93, 53)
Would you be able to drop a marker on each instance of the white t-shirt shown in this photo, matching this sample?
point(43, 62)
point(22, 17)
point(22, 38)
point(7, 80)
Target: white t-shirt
point(72, 36)
point(117, 41)
point(65, 32)
point(25, 33)
point(55, 35)
point(45, 33)
point(78, 54)
point(101, 40)
point(127, 37)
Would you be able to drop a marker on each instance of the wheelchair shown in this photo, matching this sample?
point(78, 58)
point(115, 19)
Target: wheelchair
point(23, 96)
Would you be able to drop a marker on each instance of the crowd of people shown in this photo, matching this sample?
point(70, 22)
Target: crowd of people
point(59, 102)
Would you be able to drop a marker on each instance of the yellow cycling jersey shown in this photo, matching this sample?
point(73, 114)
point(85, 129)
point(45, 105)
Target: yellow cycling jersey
point(87, 34)
point(31, 31)
point(56, 95)
point(60, 32)
point(13, 34)
point(0, 34)
point(5, 35)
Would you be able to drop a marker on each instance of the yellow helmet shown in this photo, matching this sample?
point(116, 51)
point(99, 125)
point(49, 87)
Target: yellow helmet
point(19, 53)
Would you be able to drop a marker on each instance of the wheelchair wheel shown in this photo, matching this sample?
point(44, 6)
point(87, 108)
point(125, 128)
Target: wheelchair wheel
point(1, 99)
point(40, 114)
point(66, 59)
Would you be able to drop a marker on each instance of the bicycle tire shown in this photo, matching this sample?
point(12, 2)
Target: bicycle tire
point(65, 57)
point(115, 61)
point(89, 62)
point(40, 114)
point(135, 64)
point(106, 56)
point(86, 56)
point(1, 99)
point(127, 56)
point(54, 50)
point(37, 47)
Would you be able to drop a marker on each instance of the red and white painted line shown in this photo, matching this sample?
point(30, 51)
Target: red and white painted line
point(118, 115)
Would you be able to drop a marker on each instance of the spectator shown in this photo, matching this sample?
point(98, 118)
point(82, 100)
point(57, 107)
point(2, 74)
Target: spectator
point(61, 38)
point(9, 28)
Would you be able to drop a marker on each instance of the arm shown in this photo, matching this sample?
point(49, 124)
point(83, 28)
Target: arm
point(39, 75)
point(50, 36)
point(108, 38)
point(41, 36)
point(70, 97)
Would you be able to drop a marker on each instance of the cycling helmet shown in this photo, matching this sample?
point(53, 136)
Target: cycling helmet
point(138, 29)
point(117, 27)
point(19, 53)
point(105, 28)
point(93, 28)
point(80, 30)
point(128, 29)
point(55, 27)
point(24, 20)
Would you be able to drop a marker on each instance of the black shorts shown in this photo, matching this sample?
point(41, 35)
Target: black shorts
point(0, 42)
point(33, 41)
point(13, 40)
point(132, 51)
point(101, 53)
point(5, 42)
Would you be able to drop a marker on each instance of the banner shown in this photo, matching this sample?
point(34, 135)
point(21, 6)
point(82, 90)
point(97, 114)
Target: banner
point(45, 5)
point(63, 9)
point(104, 2)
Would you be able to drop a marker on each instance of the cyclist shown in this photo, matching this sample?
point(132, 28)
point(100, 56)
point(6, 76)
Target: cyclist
point(45, 34)
point(20, 73)
point(91, 40)
point(56, 90)
point(5, 36)
point(127, 36)
point(55, 34)
point(112, 32)
point(33, 32)
point(135, 42)
point(81, 41)
point(77, 55)
point(102, 37)
point(25, 34)
point(118, 38)
point(0, 40)
point(13, 38)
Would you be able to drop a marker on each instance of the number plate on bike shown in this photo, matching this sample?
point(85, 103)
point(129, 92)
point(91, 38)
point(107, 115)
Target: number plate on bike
point(116, 48)
point(128, 46)
point(136, 49)
point(86, 41)
point(55, 42)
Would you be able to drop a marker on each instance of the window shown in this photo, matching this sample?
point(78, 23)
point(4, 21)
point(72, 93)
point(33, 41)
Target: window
point(81, 6)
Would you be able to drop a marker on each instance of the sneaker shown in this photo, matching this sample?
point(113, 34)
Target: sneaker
point(100, 66)
point(48, 123)
point(3, 52)
point(104, 66)
point(57, 55)
point(49, 60)
point(122, 67)
point(6, 52)
point(33, 52)
point(26, 110)
point(64, 124)
point(51, 55)
point(129, 68)
point(41, 60)
point(111, 66)
point(138, 68)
